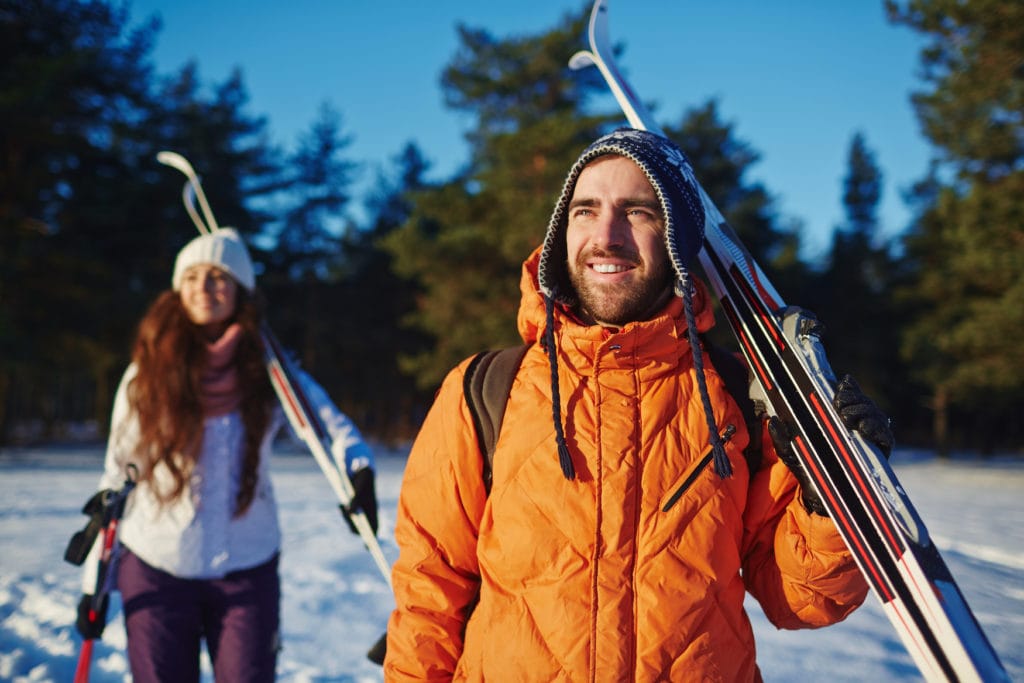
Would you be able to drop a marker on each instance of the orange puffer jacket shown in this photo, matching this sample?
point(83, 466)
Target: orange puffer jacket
point(600, 578)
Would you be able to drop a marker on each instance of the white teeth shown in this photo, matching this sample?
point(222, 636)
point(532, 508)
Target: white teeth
point(609, 268)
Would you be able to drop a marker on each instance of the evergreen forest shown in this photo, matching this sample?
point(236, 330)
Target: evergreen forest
point(380, 307)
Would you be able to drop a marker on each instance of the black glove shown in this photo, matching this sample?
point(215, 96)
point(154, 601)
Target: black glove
point(377, 653)
point(783, 441)
point(860, 413)
point(82, 541)
point(365, 499)
point(91, 629)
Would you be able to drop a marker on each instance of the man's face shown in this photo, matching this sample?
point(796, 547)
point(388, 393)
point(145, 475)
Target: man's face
point(615, 242)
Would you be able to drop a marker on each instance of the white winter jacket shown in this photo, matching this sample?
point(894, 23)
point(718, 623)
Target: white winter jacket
point(197, 536)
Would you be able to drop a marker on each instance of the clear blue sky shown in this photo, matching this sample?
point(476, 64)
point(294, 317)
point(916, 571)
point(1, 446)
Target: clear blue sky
point(796, 79)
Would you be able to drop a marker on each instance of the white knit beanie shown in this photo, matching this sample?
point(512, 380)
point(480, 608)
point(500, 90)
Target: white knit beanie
point(223, 248)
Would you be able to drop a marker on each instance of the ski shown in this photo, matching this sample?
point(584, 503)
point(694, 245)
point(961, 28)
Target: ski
point(310, 428)
point(793, 379)
point(107, 513)
point(297, 407)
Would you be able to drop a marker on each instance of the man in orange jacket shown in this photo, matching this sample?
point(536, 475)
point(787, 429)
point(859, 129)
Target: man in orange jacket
point(610, 547)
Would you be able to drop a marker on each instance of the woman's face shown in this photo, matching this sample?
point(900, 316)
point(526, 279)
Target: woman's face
point(209, 296)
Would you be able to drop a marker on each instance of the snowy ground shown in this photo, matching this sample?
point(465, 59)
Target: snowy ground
point(336, 603)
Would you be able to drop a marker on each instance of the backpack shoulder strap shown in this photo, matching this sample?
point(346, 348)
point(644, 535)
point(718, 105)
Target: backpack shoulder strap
point(736, 376)
point(486, 387)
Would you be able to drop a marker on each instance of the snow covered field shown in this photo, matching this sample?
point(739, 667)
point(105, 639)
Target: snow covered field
point(336, 604)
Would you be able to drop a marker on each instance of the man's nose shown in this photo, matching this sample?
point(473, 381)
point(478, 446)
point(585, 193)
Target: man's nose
point(611, 230)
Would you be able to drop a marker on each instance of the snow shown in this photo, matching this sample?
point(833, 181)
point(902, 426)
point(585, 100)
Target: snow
point(336, 603)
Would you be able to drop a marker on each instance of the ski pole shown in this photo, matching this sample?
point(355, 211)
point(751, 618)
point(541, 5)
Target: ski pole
point(113, 511)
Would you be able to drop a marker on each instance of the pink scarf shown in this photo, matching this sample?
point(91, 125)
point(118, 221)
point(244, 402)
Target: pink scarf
point(219, 393)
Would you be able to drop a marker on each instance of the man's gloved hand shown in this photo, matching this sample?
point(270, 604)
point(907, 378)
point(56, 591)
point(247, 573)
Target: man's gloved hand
point(858, 412)
point(861, 414)
point(91, 629)
point(365, 499)
point(783, 441)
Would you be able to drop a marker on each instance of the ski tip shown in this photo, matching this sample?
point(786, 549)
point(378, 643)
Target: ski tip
point(175, 160)
point(582, 60)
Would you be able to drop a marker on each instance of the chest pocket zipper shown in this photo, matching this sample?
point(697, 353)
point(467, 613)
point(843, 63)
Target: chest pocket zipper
point(701, 466)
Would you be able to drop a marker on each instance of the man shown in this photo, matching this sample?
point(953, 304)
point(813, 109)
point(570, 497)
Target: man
point(626, 555)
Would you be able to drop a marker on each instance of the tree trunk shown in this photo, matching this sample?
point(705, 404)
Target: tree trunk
point(5, 383)
point(940, 421)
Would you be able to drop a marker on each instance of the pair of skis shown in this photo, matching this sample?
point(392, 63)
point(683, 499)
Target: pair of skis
point(793, 379)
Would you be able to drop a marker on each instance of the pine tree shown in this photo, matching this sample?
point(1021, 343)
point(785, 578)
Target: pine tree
point(89, 221)
point(853, 295)
point(306, 262)
point(73, 78)
point(375, 303)
point(466, 239)
point(967, 246)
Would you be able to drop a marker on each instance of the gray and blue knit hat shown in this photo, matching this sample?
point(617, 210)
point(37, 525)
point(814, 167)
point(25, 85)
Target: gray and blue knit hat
point(671, 176)
point(669, 173)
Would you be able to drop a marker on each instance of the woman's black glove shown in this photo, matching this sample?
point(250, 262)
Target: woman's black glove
point(91, 629)
point(861, 414)
point(82, 541)
point(364, 500)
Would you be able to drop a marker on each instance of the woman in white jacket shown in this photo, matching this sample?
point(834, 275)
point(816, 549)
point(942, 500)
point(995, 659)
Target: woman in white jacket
point(195, 416)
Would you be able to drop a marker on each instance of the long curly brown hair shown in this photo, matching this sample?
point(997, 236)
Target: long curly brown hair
point(170, 354)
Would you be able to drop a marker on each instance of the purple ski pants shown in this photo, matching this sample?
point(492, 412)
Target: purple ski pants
point(167, 617)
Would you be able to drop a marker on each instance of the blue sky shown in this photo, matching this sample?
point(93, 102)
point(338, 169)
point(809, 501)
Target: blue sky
point(796, 79)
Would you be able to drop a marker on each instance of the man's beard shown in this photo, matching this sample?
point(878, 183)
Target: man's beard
point(637, 299)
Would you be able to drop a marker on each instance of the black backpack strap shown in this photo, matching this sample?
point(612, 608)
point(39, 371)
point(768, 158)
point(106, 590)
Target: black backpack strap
point(486, 387)
point(734, 373)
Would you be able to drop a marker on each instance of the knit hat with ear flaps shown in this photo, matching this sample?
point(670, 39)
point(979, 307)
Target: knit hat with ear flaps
point(223, 248)
point(672, 178)
point(669, 173)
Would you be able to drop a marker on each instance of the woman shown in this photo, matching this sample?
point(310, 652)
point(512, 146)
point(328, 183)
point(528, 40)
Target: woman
point(195, 414)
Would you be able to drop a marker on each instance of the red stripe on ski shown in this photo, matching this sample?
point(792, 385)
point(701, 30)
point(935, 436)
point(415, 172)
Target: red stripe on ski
point(765, 296)
point(767, 319)
point(887, 595)
point(283, 384)
point(761, 371)
point(855, 470)
point(744, 339)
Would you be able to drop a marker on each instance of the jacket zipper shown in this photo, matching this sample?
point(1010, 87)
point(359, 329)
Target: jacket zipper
point(701, 466)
